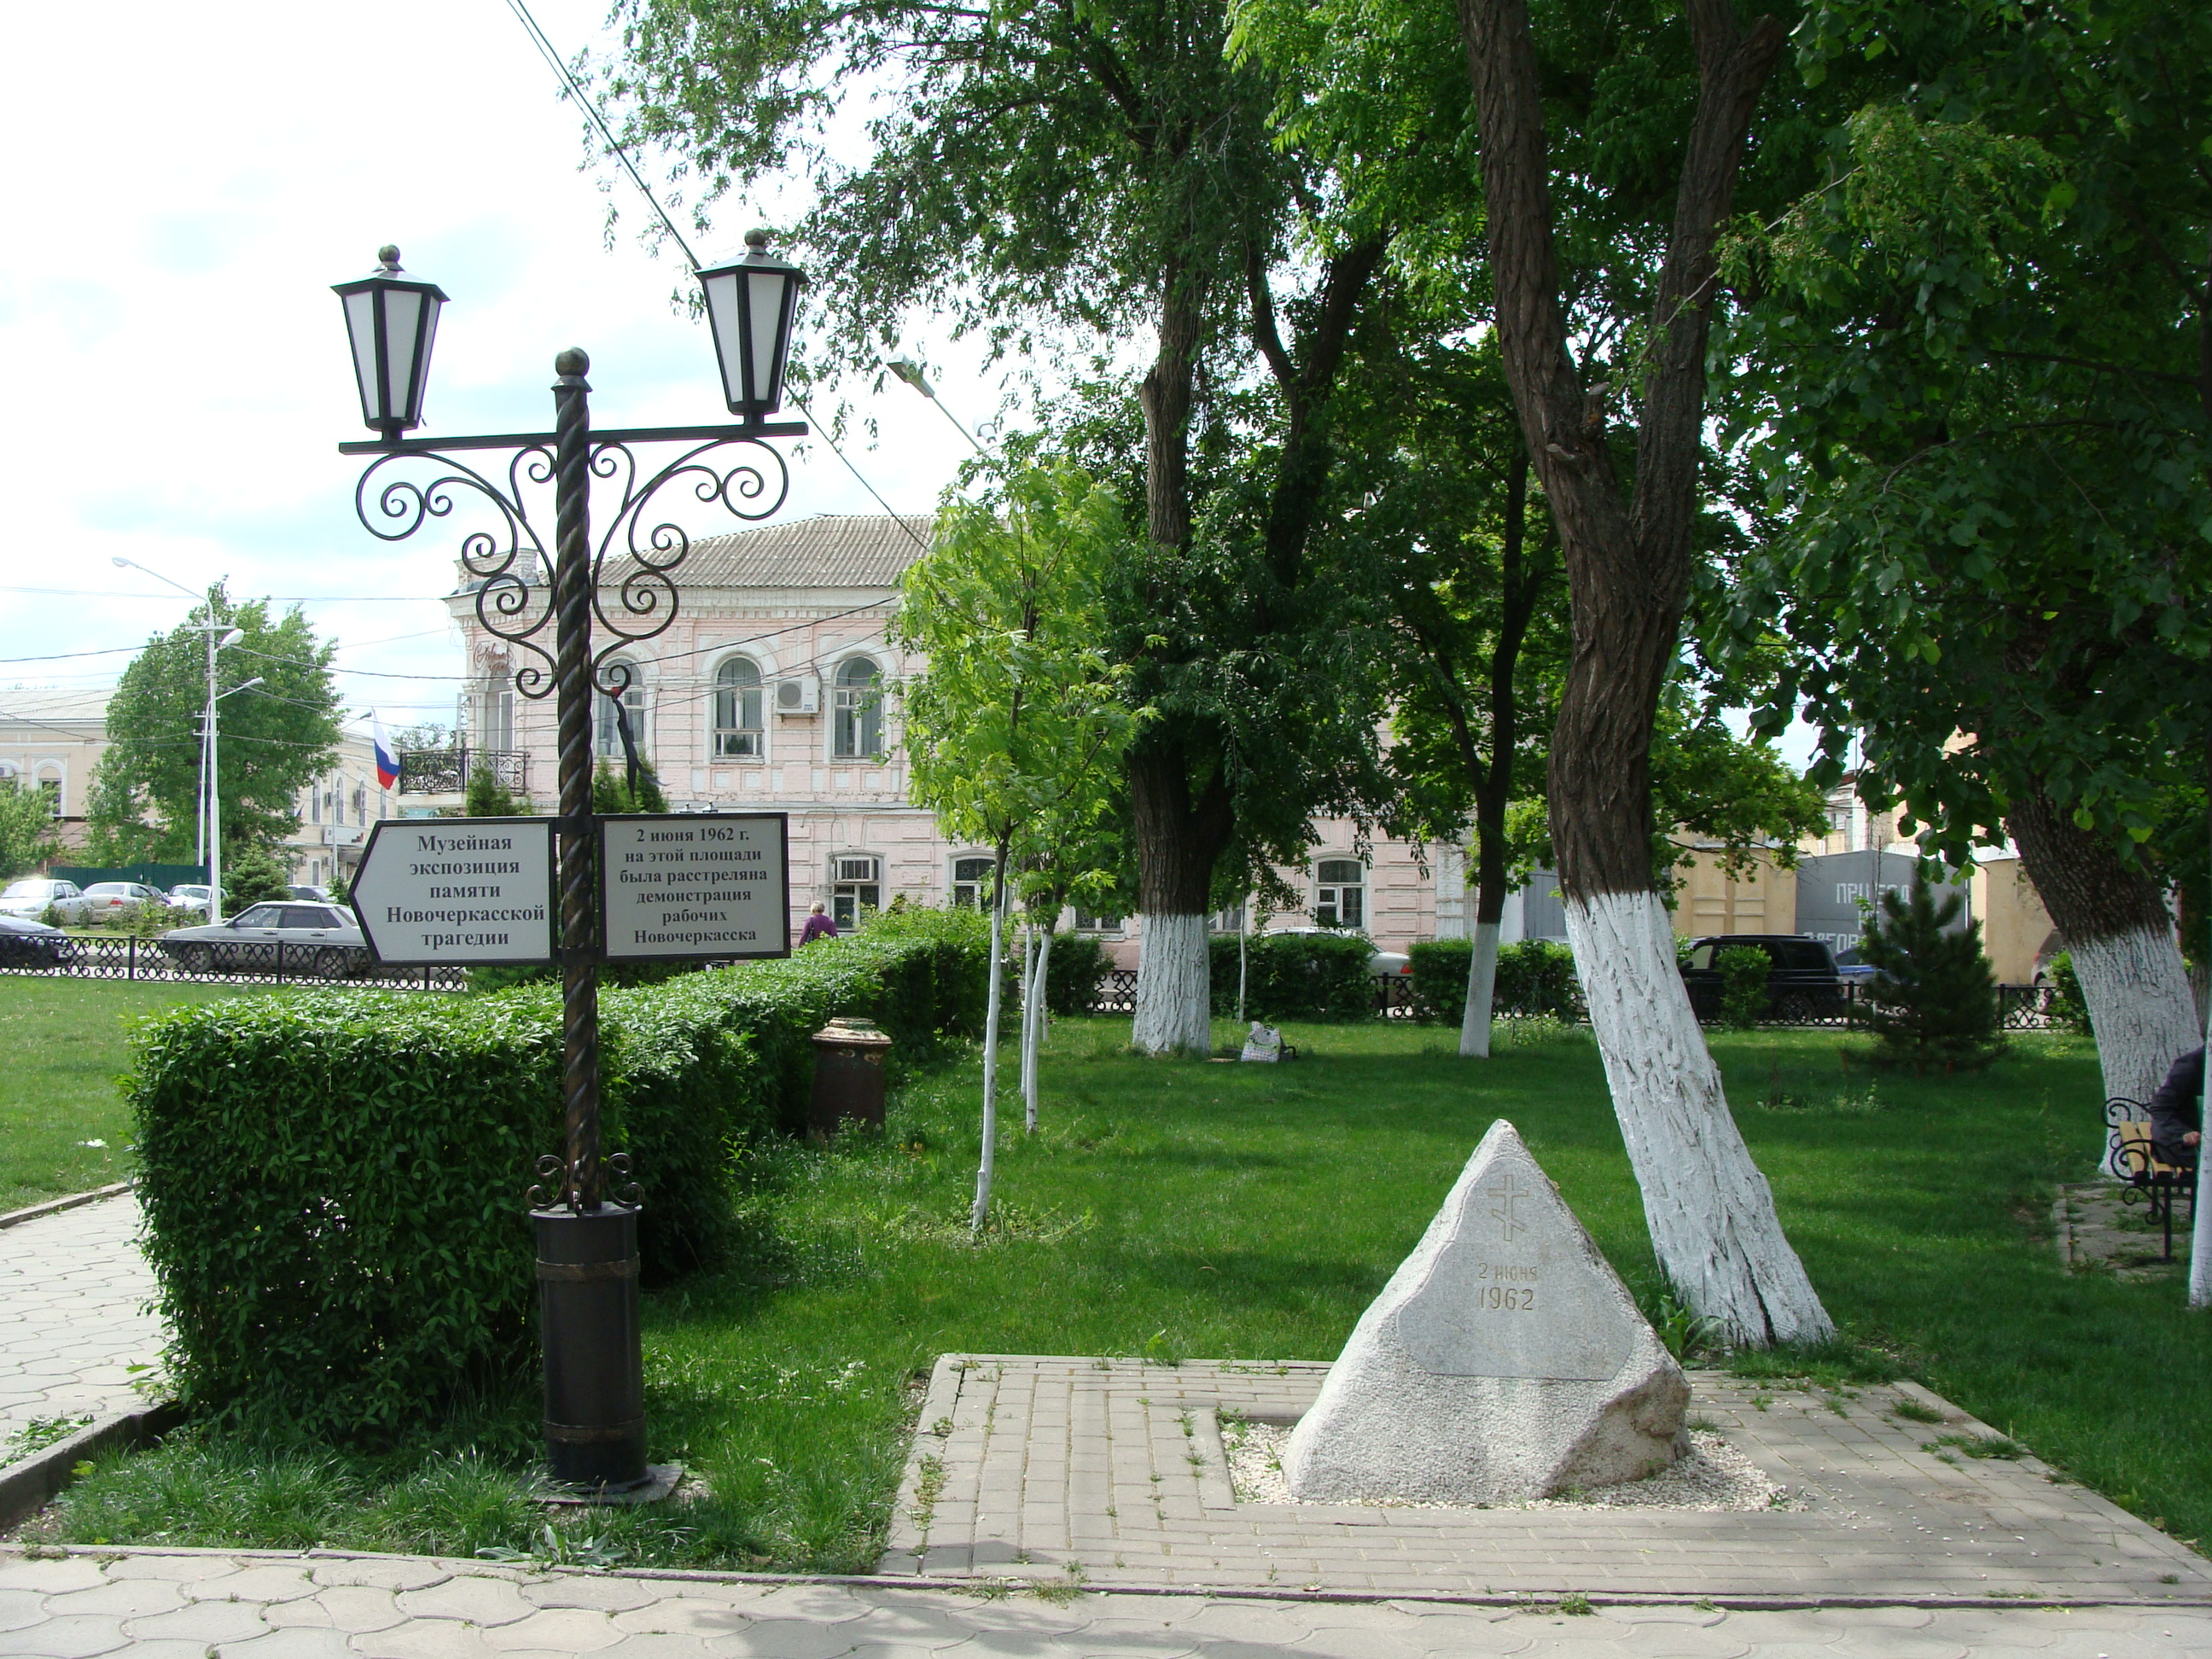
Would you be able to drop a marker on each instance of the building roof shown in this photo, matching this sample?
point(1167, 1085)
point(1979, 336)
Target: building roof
point(25, 710)
point(829, 551)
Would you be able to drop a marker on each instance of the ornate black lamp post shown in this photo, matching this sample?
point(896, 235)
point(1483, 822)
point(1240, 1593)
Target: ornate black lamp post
point(586, 1234)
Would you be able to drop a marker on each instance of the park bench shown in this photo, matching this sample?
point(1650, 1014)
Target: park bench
point(2150, 1179)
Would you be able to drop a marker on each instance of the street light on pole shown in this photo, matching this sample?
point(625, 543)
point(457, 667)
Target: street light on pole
point(586, 1225)
point(208, 827)
point(910, 371)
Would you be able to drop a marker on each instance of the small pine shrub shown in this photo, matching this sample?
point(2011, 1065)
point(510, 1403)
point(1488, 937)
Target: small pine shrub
point(251, 876)
point(2069, 1010)
point(1935, 997)
point(1744, 970)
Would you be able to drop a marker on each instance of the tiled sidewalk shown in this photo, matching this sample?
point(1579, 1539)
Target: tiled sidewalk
point(73, 1292)
point(206, 1605)
point(1027, 1466)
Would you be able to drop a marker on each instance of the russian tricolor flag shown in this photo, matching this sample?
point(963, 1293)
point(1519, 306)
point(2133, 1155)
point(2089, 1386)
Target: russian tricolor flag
point(387, 763)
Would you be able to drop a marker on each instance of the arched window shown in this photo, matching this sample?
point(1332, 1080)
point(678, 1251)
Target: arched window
point(50, 786)
point(737, 710)
point(1340, 893)
point(856, 707)
point(608, 743)
point(971, 882)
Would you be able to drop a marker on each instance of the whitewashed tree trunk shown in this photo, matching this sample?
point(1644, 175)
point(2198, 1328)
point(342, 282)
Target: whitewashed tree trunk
point(1710, 1209)
point(2200, 1234)
point(1482, 992)
point(1244, 954)
point(1173, 1015)
point(1033, 1060)
point(2136, 988)
point(995, 997)
point(1029, 1016)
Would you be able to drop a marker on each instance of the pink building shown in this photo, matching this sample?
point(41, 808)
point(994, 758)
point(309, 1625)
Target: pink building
point(775, 689)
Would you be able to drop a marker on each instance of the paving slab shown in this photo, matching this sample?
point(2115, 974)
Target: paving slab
point(1879, 1508)
point(74, 1315)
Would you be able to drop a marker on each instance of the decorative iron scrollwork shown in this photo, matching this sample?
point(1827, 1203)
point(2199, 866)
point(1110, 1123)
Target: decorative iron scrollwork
point(560, 1184)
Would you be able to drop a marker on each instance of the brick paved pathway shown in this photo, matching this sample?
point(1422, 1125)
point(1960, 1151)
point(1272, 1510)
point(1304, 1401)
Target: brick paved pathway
point(1025, 1466)
point(207, 1605)
point(73, 1289)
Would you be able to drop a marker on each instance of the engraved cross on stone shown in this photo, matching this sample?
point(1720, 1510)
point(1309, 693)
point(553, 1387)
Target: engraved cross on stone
point(1508, 1193)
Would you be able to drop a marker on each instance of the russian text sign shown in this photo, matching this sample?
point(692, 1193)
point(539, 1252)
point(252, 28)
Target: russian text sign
point(712, 885)
point(435, 891)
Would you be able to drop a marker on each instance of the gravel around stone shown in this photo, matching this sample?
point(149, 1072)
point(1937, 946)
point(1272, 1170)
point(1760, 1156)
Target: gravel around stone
point(1712, 1476)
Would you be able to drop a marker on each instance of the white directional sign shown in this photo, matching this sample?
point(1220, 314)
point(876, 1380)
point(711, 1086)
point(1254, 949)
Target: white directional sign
point(434, 890)
point(697, 885)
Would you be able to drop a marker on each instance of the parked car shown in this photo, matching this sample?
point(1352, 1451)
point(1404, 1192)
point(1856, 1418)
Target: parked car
point(190, 895)
point(30, 897)
point(1854, 968)
point(312, 895)
point(1801, 977)
point(318, 939)
point(104, 899)
point(33, 944)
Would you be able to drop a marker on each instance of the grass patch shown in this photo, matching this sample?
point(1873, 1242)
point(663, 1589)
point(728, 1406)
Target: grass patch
point(1168, 1210)
point(63, 1127)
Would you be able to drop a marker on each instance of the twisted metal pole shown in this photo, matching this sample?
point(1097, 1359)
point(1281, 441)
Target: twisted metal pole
point(579, 942)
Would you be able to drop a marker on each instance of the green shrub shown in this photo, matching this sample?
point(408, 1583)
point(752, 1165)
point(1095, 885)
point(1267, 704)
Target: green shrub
point(253, 875)
point(1535, 977)
point(1744, 970)
point(1077, 966)
point(333, 1179)
point(2068, 1009)
point(1935, 996)
point(1296, 977)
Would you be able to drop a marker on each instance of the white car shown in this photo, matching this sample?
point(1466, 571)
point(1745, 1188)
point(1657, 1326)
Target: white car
point(317, 938)
point(112, 898)
point(30, 897)
point(190, 895)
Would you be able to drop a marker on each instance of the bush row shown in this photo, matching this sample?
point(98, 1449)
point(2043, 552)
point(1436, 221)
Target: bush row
point(333, 1179)
point(1535, 977)
point(1295, 976)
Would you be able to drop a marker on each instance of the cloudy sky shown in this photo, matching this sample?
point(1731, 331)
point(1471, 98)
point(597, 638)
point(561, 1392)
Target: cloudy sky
point(190, 181)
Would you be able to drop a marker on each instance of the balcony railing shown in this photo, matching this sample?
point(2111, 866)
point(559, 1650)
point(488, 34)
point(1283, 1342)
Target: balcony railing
point(447, 771)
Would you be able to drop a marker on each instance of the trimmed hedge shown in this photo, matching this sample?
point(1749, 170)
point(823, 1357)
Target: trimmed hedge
point(1535, 977)
point(1296, 977)
point(1073, 974)
point(333, 1179)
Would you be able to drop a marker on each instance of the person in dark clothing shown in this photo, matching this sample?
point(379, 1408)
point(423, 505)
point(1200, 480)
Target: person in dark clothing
point(2177, 1110)
point(818, 926)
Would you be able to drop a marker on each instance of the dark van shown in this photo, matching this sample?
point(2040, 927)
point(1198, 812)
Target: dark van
point(1802, 981)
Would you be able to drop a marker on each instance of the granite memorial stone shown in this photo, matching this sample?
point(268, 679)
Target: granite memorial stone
point(1503, 1361)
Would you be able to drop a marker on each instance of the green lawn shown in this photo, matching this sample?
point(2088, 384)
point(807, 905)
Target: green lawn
point(65, 1043)
point(1173, 1209)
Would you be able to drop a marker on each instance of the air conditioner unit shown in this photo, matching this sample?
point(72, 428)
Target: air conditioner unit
point(802, 696)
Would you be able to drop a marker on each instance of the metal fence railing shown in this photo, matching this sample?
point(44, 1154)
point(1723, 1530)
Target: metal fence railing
point(2020, 1007)
point(244, 961)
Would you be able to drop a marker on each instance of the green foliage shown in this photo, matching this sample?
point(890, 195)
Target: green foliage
point(26, 829)
point(1077, 968)
point(1743, 969)
point(610, 791)
point(1935, 995)
point(488, 798)
point(1535, 977)
point(250, 874)
point(333, 1179)
point(276, 739)
point(1015, 729)
point(2068, 1009)
point(1295, 976)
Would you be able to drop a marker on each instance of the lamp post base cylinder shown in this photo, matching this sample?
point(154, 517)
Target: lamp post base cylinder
point(587, 1301)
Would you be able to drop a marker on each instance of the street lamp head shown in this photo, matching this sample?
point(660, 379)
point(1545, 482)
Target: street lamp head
point(910, 371)
point(392, 319)
point(121, 562)
point(231, 638)
point(751, 303)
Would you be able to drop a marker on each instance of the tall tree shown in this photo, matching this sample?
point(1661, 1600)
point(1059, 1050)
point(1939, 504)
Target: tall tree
point(1016, 727)
point(1081, 172)
point(27, 827)
point(1629, 547)
point(275, 740)
point(1982, 387)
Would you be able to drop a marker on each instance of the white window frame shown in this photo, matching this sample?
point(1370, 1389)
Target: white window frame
point(850, 893)
point(756, 696)
point(977, 892)
point(844, 704)
point(606, 734)
point(1328, 894)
